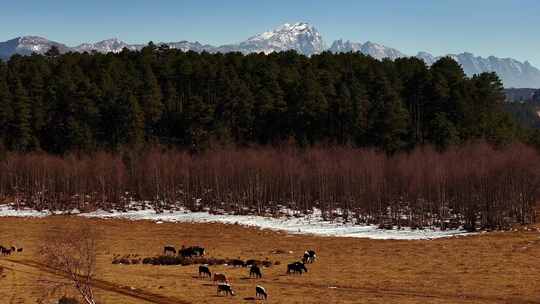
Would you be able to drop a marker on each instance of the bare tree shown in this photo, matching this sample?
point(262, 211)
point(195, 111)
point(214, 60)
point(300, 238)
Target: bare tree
point(71, 253)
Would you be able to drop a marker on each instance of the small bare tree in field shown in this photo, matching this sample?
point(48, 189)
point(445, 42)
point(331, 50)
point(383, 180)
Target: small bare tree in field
point(72, 254)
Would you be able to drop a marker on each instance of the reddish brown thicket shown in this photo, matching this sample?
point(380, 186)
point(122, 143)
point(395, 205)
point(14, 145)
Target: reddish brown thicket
point(475, 185)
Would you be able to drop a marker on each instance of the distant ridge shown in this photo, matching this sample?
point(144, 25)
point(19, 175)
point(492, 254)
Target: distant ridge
point(302, 38)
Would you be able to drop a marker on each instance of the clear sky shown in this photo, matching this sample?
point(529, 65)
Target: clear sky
point(504, 28)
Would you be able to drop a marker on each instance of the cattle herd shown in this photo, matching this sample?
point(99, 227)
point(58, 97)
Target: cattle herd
point(224, 286)
point(5, 251)
point(185, 252)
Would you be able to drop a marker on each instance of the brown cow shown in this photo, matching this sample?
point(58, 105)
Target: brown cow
point(220, 278)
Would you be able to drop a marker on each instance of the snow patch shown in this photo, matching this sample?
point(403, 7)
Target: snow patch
point(12, 211)
point(312, 224)
point(309, 224)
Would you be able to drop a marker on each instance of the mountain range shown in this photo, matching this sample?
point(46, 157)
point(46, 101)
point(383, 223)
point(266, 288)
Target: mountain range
point(302, 38)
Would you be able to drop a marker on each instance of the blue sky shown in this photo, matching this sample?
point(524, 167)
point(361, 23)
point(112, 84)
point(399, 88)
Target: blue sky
point(504, 28)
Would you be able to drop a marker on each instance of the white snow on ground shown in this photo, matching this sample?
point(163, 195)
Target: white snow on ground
point(12, 211)
point(311, 224)
point(303, 225)
point(6, 210)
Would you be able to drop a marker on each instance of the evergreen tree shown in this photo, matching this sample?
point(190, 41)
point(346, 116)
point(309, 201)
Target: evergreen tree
point(151, 100)
point(5, 107)
point(443, 132)
point(20, 132)
point(309, 107)
point(134, 121)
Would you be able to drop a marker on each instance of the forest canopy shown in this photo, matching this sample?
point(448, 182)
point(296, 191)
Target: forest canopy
point(89, 102)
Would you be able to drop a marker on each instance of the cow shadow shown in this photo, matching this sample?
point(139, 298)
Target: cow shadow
point(250, 299)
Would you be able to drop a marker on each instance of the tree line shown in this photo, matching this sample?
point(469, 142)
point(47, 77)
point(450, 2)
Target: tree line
point(90, 102)
point(476, 186)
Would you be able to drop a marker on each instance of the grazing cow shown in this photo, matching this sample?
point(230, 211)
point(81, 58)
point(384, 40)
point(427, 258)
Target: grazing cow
point(2, 249)
point(204, 271)
point(296, 267)
point(255, 271)
point(260, 292)
point(251, 262)
point(220, 278)
point(169, 250)
point(19, 249)
point(309, 257)
point(226, 288)
point(6, 251)
point(238, 263)
point(13, 249)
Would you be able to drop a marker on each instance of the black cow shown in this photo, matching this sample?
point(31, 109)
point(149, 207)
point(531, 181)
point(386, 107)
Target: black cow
point(19, 249)
point(226, 288)
point(255, 271)
point(309, 256)
point(238, 263)
point(260, 292)
point(169, 250)
point(296, 267)
point(204, 271)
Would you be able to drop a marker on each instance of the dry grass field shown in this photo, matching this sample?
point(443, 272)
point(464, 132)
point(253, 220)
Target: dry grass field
point(486, 268)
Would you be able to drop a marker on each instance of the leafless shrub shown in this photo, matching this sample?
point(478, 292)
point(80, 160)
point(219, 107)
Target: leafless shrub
point(71, 253)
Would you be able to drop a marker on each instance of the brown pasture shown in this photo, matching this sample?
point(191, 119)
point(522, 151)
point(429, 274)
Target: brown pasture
point(500, 267)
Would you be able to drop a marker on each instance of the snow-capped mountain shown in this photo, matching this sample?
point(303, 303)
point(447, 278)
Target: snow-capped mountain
point(185, 46)
point(301, 37)
point(512, 72)
point(374, 50)
point(427, 57)
point(112, 45)
point(27, 45)
point(340, 46)
point(515, 74)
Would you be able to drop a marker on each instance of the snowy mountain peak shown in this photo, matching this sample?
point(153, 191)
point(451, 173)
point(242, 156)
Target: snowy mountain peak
point(26, 45)
point(300, 36)
point(380, 52)
point(512, 72)
point(340, 46)
point(32, 40)
point(298, 27)
point(111, 45)
point(428, 58)
point(374, 50)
